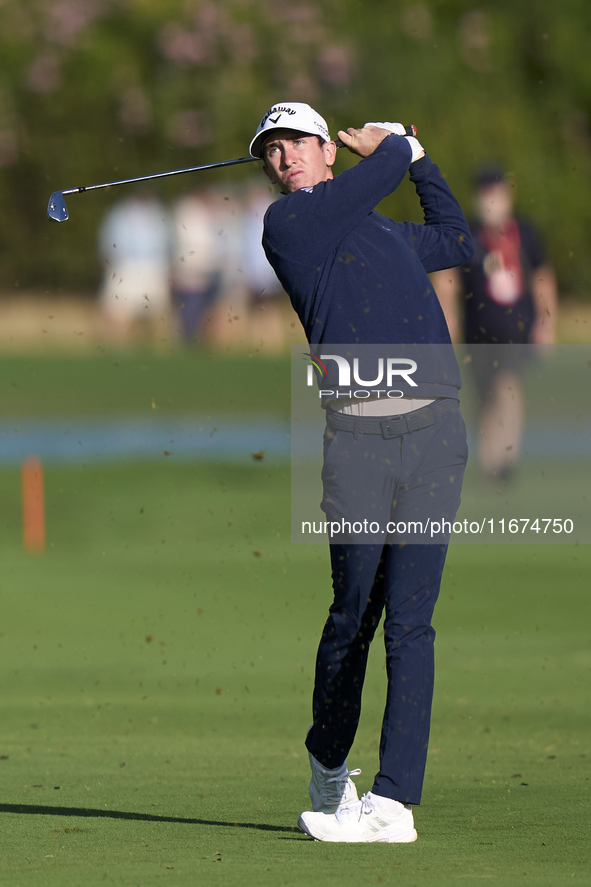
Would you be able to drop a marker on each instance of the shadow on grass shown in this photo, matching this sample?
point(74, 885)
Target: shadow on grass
point(37, 810)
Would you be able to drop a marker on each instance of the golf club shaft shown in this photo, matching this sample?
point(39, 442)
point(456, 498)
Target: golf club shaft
point(160, 175)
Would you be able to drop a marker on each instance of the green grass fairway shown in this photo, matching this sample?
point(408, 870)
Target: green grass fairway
point(157, 670)
point(112, 383)
point(157, 666)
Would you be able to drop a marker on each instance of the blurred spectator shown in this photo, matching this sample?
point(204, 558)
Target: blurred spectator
point(197, 260)
point(506, 295)
point(204, 258)
point(263, 289)
point(247, 310)
point(134, 243)
point(227, 322)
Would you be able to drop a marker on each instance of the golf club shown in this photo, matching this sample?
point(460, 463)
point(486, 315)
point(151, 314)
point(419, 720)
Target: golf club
point(57, 210)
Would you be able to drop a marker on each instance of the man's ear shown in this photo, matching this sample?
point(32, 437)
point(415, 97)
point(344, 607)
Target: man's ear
point(268, 173)
point(330, 152)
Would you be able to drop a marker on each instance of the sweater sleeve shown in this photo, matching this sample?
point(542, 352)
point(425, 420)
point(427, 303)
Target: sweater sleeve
point(307, 225)
point(443, 240)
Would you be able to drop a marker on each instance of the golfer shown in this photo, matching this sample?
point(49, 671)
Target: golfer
point(357, 278)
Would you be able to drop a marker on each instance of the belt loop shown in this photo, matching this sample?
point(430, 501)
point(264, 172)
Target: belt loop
point(355, 428)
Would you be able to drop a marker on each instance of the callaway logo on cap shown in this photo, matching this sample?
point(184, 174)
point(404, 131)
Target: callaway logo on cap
point(292, 115)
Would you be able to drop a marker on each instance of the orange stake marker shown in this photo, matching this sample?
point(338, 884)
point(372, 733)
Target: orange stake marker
point(33, 499)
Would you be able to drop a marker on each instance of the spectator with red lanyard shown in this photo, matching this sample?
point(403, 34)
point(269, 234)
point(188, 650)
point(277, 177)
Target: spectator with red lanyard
point(505, 295)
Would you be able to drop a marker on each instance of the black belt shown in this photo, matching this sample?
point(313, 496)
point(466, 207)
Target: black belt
point(393, 426)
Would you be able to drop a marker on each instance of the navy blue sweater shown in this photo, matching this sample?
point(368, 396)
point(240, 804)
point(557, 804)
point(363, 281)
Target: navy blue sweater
point(355, 276)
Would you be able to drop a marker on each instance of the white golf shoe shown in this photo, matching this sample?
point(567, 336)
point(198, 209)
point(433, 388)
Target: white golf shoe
point(372, 819)
point(331, 789)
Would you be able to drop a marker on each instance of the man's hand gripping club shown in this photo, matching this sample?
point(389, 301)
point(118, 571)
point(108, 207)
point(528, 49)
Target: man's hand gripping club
point(364, 141)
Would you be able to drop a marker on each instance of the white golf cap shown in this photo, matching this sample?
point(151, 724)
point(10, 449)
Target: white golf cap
point(289, 115)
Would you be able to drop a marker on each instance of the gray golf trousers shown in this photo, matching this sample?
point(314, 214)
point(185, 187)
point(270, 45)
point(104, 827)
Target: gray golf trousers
point(411, 477)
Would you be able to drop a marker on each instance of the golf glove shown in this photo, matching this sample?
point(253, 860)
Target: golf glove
point(398, 129)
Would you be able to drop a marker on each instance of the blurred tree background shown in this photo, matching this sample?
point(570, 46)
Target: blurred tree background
point(95, 90)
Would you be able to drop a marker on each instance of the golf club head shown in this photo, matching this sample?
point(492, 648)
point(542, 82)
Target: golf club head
point(56, 208)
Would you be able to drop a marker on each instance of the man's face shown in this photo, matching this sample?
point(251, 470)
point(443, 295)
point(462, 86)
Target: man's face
point(494, 204)
point(296, 160)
